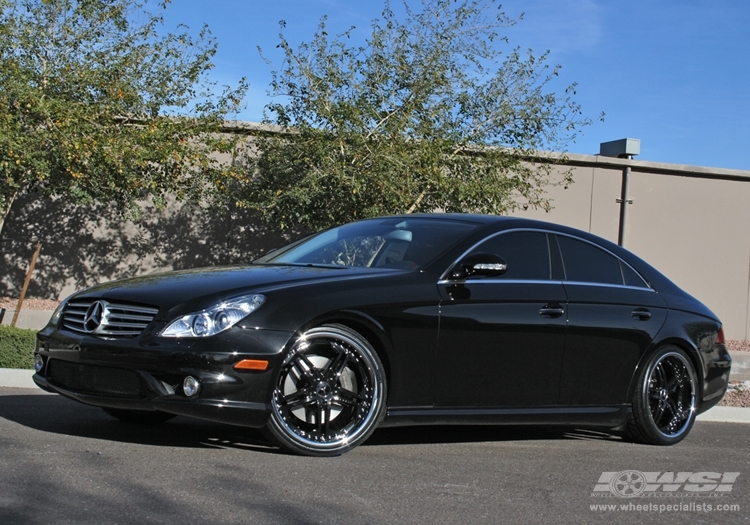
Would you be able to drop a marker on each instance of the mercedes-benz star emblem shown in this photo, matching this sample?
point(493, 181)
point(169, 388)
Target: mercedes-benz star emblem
point(95, 316)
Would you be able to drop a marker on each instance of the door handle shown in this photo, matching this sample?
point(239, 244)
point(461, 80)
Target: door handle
point(642, 314)
point(552, 311)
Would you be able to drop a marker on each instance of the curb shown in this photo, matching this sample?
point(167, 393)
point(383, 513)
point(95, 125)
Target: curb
point(15, 378)
point(726, 415)
point(740, 366)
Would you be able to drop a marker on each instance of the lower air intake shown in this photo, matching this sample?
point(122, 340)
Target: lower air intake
point(96, 380)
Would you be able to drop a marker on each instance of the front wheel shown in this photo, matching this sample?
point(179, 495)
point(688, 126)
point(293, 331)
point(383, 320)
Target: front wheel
point(664, 404)
point(329, 395)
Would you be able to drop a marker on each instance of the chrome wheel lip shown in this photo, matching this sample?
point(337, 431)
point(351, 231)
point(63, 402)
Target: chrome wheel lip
point(656, 388)
point(370, 406)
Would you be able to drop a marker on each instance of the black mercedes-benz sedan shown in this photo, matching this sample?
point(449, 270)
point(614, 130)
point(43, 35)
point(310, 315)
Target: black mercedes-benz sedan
point(406, 320)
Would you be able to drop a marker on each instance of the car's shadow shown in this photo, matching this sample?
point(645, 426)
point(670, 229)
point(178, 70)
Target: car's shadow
point(58, 415)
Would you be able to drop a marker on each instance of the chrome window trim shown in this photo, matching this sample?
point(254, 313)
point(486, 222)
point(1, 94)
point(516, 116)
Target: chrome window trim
point(527, 281)
point(500, 281)
point(445, 279)
point(610, 285)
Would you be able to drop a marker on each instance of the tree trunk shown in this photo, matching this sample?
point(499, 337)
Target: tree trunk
point(5, 210)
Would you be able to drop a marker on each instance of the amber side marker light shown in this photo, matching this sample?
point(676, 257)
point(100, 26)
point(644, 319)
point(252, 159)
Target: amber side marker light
point(252, 364)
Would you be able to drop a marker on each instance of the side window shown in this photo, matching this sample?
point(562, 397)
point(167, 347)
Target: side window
point(584, 262)
point(631, 277)
point(525, 252)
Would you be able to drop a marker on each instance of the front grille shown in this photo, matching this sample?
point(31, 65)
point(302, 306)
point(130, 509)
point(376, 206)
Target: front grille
point(107, 319)
point(92, 379)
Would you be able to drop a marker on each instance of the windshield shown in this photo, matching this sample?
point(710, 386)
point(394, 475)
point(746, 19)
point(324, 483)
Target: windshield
point(391, 242)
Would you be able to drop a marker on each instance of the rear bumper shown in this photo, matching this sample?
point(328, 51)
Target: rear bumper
point(718, 365)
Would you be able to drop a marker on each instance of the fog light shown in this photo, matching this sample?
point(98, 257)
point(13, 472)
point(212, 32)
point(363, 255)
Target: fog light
point(191, 386)
point(38, 363)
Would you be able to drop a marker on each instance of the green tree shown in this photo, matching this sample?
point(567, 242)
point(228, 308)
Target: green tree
point(97, 106)
point(428, 115)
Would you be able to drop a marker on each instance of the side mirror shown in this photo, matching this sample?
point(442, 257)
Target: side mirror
point(482, 264)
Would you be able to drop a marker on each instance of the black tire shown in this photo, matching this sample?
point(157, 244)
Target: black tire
point(329, 395)
point(139, 417)
point(665, 399)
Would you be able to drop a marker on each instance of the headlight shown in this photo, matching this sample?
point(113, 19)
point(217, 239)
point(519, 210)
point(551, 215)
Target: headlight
point(215, 319)
point(57, 314)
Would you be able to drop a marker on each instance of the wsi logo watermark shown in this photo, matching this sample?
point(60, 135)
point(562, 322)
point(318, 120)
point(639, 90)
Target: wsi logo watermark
point(634, 483)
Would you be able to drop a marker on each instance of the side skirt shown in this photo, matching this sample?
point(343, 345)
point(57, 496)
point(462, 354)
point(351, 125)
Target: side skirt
point(599, 416)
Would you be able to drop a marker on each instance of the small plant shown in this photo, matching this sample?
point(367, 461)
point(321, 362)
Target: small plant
point(17, 347)
point(739, 387)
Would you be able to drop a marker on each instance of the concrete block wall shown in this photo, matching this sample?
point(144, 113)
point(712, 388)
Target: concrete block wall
point(29, 319)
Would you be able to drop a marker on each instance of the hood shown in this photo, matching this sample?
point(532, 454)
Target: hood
point(203, 287)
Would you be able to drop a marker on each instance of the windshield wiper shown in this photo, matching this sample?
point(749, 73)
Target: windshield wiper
point(305, 265)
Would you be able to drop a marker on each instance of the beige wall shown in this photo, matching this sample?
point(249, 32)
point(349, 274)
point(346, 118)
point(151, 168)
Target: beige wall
point(692, 223)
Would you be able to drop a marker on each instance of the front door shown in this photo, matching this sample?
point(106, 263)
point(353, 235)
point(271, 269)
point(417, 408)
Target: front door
point(502, 339)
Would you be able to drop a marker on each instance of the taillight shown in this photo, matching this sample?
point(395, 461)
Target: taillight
point(720, 336)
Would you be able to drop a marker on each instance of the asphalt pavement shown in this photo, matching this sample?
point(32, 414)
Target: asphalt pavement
point(62, 462)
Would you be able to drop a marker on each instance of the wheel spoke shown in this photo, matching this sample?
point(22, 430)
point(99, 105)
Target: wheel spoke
point(661, 379)
point(348, 398)
point(308, 370)
point(679, 379)
point(676, 380)
point(658, 412)
point(318, 419)
point(671, 408)
point(327, 414)
point(337, 366)
point(299, 398)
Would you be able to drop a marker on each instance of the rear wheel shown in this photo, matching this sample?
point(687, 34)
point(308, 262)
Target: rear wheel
point(140, 417)
point(665, 399)
point(329, 395)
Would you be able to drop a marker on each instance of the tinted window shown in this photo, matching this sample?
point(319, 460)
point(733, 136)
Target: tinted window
point(390, 242)
point(584, 262)
point(526, 254)
point(631, 277)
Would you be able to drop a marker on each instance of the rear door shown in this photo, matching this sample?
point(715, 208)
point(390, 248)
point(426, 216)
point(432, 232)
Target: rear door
point(613, 315)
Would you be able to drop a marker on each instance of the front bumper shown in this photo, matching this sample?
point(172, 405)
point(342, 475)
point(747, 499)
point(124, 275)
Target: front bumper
point(147, 373)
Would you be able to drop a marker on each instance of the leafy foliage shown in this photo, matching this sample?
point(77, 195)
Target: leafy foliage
point(17, 347)
point(97, 106)
point(425, 116)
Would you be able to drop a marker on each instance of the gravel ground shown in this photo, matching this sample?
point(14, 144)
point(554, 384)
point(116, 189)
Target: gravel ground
point(738, 346)
point(29, 303)
point(738, 394)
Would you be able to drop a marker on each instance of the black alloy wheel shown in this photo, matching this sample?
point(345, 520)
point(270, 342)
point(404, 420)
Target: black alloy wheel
point(664, 406)
point(329, 395)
